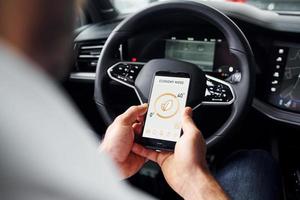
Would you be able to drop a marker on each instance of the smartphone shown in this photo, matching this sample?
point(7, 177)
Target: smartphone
point(167, 100)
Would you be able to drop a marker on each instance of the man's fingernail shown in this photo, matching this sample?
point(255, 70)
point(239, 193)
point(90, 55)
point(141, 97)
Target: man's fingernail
point(189, 111)
point(144, 105)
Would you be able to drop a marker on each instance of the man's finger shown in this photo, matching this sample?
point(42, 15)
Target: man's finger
point(137, 127)
point(158, 157)
point(132, 114)
point(188, 125)
point(141, 118)
point(146, 153)
point(188, 111)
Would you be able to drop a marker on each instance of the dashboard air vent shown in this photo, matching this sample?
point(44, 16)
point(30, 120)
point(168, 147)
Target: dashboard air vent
point(87, 56)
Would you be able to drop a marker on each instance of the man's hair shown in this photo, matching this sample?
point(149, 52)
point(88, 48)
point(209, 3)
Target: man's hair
point(42, 29)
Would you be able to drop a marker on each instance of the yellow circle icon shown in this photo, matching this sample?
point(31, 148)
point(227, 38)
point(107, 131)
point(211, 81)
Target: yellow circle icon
point(166, 105)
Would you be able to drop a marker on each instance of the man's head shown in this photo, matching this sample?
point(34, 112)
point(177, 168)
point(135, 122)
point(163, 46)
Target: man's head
point(40, 29)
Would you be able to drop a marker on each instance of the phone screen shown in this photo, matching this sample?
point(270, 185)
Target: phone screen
point(167, 102)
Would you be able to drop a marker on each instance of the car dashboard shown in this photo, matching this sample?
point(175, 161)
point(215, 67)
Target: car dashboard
point(274, 39)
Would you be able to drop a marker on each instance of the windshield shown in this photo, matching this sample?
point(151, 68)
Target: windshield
point(130, 6)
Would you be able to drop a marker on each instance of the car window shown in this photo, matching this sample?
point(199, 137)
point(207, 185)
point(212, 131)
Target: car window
point(130, 6)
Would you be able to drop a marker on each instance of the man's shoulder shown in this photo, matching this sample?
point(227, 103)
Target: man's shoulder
point(29, 97)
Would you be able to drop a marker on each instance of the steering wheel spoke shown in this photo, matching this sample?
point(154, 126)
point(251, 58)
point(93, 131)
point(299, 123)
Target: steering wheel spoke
point(218, 92)
point(125, 73)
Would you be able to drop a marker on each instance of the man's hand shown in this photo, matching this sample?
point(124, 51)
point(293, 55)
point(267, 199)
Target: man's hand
point(119, 140)
point(186, 169)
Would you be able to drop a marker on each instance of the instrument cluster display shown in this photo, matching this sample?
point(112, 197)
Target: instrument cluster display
point(200, 53)
point(210, 54)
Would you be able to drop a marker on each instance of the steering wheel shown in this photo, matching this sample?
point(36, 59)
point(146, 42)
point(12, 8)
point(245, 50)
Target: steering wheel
point(138, 76)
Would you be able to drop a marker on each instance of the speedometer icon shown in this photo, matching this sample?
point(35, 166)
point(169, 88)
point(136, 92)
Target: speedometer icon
point(166, 105)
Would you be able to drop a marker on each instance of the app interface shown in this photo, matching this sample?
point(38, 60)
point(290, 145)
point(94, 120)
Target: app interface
point(167, 101)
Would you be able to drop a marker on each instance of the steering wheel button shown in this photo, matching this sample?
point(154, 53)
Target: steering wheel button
point(217, 100)
point(207, 93)
point(217, 92)
point(209, 83)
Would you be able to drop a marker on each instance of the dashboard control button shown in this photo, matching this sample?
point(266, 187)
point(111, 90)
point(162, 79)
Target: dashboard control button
point(273, 89)
point(275, 82)
point(277, 66)
point(280, 51)
point(276, 74)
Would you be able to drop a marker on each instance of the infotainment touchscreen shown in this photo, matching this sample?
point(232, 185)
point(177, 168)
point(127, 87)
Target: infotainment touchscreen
point(288, 94)
point(200, 53)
